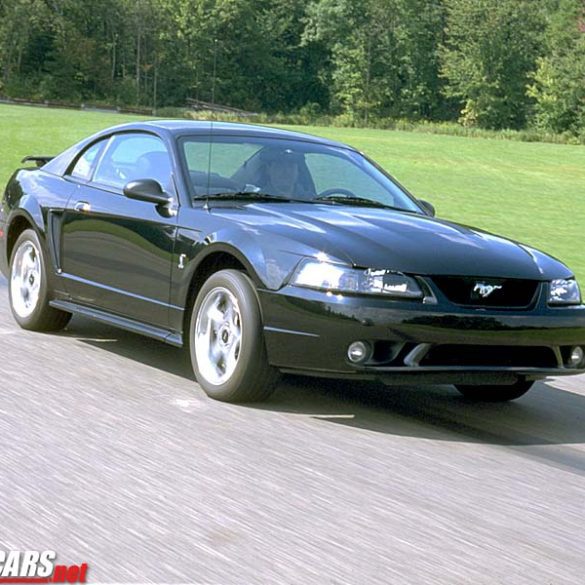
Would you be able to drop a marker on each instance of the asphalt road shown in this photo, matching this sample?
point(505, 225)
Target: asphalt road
point(111, 454)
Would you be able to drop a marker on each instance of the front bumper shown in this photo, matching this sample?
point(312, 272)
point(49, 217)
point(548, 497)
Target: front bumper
point(309, 332)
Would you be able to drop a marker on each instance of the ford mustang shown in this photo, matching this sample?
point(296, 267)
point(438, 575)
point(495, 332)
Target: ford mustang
point(264, 252)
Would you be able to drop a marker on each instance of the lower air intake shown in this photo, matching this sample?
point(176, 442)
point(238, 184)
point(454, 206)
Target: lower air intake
point(490, 356)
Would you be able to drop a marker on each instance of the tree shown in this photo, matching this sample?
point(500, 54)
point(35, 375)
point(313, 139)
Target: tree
point(22, 26)
point(294, 72)
point(383, 55)
point(360, 36)
point(421, 33)
point(559, 81)
point(490, 51)
point(487, 62)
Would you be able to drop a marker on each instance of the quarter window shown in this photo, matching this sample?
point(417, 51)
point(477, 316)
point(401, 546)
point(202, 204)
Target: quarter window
point(86, 162)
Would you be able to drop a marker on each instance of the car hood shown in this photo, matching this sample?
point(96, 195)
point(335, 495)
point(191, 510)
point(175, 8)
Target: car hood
point(406, 242)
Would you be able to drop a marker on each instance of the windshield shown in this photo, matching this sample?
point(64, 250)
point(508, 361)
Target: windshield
point(290, 170)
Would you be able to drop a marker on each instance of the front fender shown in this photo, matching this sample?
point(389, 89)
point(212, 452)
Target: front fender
point(267, 260)
point(267, 257)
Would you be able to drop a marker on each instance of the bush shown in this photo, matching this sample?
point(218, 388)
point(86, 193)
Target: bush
point(302, 118)
point(170, 112)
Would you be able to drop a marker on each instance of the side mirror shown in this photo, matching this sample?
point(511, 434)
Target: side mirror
point(428, 207)
point(147, 190)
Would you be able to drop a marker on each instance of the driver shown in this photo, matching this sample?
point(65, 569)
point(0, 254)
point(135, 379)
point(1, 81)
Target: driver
point(281, 173)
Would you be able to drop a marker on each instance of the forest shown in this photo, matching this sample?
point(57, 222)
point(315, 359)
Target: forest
point(493, 64)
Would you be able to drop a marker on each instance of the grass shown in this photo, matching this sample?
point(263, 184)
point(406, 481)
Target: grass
point(528, 191)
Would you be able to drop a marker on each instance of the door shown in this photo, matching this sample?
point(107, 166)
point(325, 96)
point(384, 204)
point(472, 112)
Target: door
point(116, 252)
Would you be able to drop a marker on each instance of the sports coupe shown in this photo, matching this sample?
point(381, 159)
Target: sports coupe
point(263, 251)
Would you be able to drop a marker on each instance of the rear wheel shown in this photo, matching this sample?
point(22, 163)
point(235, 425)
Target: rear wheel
point(29, 289)
point(495, 393)
point(226, 340)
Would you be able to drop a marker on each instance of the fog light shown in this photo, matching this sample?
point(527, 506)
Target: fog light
point(358, 352)
point(576, 357)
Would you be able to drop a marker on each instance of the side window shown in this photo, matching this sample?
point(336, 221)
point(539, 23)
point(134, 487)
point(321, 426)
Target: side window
point(86, 162)
point(129, 157)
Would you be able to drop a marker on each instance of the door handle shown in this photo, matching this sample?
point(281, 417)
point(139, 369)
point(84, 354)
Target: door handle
point(82, 207)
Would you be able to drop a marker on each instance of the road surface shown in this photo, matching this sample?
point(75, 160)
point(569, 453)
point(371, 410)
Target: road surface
point(111, 454)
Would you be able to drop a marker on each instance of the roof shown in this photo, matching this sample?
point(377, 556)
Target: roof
point(176, 128)
point(186, 127)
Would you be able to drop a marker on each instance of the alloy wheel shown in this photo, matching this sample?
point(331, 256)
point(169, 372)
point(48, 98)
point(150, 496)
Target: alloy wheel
point(25, 278)
point(218, 336)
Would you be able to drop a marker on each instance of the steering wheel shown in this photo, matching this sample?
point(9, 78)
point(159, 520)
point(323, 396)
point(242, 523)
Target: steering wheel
point(334, 191)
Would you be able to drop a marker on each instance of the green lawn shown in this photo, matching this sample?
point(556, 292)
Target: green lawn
point(532, 192)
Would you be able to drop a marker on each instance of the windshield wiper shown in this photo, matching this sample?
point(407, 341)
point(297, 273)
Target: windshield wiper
point(355, 200)
point(245, 196)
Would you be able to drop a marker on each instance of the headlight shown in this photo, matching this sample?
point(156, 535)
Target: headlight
point(344, 279)
point(564, 292)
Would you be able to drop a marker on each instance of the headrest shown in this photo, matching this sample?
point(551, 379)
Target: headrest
point(281, 155)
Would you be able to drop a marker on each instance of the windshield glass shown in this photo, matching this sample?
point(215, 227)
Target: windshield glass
point(290, 169)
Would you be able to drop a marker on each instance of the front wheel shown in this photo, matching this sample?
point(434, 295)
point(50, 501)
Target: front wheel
point(29, 288)
point(226, 340)
point(495, 393)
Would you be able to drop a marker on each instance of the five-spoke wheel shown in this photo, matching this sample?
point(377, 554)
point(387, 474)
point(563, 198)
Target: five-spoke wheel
point(227, 342)
point(25, 279)
point(29, 288)
point(218, 335)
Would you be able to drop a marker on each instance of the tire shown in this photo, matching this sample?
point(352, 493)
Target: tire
point(495, 393)
point(29, 289)
point(226, 341)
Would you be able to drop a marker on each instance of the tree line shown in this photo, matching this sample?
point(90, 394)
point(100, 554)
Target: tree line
point(486, 63)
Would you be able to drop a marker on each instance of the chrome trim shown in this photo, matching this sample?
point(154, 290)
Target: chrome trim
point(416, 355)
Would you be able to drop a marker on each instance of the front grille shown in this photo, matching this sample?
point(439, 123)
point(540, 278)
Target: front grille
point(505, 293)
point(490, 356)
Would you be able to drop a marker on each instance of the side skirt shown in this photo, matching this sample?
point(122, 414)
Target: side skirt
point(165, 335)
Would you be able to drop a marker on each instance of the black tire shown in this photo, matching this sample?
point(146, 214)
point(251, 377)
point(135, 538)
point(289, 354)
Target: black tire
point(495, 393)
point(253, 379)
point(42, 317)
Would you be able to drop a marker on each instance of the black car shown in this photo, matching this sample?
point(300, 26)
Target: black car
point(265, 251)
